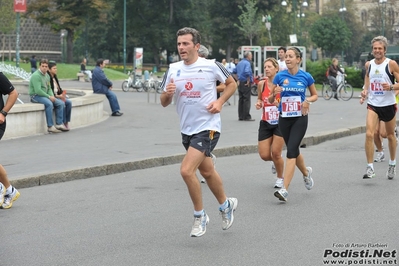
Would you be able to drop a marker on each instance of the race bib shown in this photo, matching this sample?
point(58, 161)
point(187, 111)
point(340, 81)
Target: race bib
point(271, 114)
point(376, 87)
point(291, 106)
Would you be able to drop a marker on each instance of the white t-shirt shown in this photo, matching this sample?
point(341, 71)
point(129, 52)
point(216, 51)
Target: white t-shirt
point(281, 65)
point(195, 89)
point(378, 74)
point(230, 67)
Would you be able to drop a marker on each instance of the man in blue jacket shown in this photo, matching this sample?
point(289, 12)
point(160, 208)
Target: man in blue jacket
point(245, 76)
point(101, 84)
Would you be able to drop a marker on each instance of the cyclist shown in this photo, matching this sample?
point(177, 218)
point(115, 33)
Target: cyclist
point(333, 70)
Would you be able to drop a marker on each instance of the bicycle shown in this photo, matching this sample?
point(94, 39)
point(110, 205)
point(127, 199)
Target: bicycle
point(152, 83)
point(344, 90)
point(133, 81)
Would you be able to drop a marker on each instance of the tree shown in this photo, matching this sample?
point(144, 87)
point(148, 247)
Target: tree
point(355, 26)
point(330, 34)
point(7, 21)
point(250, 22)
point(68, 15)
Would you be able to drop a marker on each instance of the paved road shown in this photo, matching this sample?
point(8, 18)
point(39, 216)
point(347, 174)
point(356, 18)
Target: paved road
point(147, 131)
point(144, 217)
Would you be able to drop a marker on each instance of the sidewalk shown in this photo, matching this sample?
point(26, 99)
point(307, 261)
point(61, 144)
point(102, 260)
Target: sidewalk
point(147, 135)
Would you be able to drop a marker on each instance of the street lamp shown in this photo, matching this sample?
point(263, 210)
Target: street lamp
point(63, 34)
point(294, 8)
point(342, 10)
point(268, 25)
point(383, 4)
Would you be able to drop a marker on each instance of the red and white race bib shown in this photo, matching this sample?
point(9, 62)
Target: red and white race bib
point(271, 114)
point(291, 106)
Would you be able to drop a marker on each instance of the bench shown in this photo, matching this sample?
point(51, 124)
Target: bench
point(81, 77)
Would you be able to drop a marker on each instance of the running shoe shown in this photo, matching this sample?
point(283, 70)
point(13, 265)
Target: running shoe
point(228, 213)
point(274, 171)
point(203, 181)
point(2, 193)
point(199, 226)
point(308, 179)
point(369, 173)
point(10, 198)
point(281, 194)
point(279, 183)
point(391, 173)
point(213, 159)
point(380, 157)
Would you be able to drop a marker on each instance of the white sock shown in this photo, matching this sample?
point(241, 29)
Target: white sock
point(392, 162)
point(199, 213)
point(9, 190)
point(224, 205)
point(371, 165)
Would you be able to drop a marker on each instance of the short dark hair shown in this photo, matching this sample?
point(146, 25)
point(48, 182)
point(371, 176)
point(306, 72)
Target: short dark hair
point(99, 62)
point(43, 61)
point(51, 64)
point(282, 48)
point(196, 35)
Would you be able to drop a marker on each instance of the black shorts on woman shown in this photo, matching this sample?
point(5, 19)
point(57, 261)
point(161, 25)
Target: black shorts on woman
point(266, 130)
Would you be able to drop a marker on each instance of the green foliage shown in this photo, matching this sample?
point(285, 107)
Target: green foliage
point(330, 34)
point(68, 15)
point(7, 18)
point(250, 23)
point(318, 71)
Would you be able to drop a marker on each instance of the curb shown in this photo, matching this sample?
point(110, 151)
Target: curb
point(115, 168)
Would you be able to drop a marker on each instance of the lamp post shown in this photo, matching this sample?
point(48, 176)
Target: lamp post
point(268, 25)
point(342, 10)
point(383, 4)
point(62, 46)
point(294, 10)
point(124, 36)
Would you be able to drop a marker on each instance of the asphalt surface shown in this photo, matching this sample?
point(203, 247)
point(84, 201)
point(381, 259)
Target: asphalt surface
point(135, 210)
point(144, 217)
point(147, 135)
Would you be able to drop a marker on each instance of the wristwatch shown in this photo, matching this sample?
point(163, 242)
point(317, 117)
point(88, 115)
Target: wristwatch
point(308, 102)
point(391, 87)
point(3, 113)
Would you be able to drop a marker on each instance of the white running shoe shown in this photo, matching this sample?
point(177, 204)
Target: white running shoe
point(380, 157)
point(308, 179)
point(10, 198)
point(279, 183)
point(199, 226)
point(213, 157)
point(228, 213)
point(369, 173)
point(281, 194)
point(2, 193)
point(274, 171)
point(391, 173)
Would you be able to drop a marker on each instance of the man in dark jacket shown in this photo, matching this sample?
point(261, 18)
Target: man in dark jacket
point(101, 84)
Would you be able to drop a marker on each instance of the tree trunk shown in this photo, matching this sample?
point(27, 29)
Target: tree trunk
point(70, 46)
